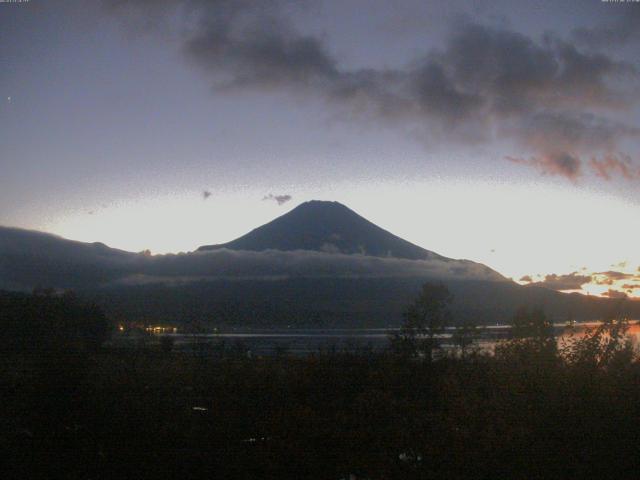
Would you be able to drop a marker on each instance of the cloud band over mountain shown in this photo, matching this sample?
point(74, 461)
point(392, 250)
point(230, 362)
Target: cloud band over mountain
point(29, 259)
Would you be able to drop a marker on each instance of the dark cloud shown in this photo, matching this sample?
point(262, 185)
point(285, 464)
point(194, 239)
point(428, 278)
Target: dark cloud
point(553, 164)
point(614, 294)
point(619, 26)
point(615, 275)
point(611, 276)
point(511, 73)
point(566, 138)
point(526, 278)
point(280, 199)
point(240, 43)
point(224, 263)
point(553, 99)
point(438, 96)
point(571, 281)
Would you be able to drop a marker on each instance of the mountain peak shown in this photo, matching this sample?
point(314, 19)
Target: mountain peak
point(326, 226)
point(313, 207)
point(322, 204)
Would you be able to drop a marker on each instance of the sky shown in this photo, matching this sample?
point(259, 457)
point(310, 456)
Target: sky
point(504, 132)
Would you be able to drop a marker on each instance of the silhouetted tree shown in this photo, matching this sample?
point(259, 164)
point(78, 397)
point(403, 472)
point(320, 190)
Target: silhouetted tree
point(531, 324)
point(532, 339)
point(463, 336)
point(601, 346)
point(425, 319)
point(46, 321)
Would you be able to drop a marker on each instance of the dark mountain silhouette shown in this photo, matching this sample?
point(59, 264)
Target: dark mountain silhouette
point(328, 227)
point(319, 265)
point(29, 259)
point(341, 302)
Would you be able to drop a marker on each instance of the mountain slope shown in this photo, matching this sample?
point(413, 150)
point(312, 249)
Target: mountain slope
point(319, 265)
point(329, 227)
point(29, 258)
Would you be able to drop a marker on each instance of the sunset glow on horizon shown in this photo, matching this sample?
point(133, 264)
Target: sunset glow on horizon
point(537, 240)
point(499, 133)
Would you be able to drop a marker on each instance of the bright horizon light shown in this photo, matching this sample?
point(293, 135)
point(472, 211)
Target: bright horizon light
point(518, 230)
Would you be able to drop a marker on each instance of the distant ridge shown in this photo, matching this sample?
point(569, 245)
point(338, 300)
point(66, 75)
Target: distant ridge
point(328, 227)
point(254, 281)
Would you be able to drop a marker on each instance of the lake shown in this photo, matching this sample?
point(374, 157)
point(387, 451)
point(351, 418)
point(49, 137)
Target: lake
point(307, 341)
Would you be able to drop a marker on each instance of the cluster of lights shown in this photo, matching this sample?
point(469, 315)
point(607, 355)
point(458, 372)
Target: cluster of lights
point(161, 329)
point(153, 329)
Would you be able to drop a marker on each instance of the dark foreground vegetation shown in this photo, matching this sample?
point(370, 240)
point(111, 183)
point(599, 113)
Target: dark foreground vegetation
point(532, 409)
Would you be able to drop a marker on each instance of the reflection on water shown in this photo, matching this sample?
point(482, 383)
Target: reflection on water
point(307, 341)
